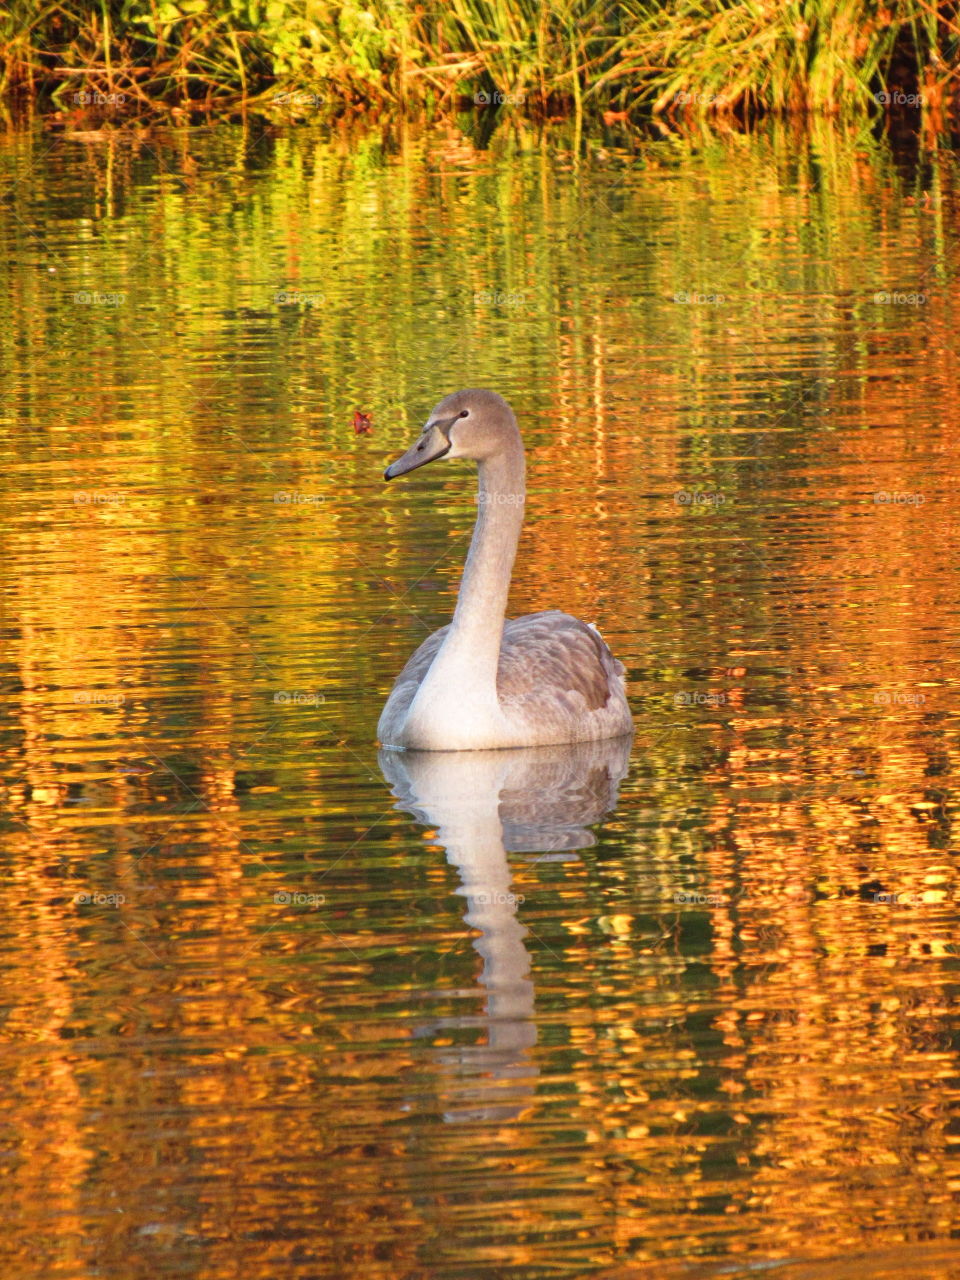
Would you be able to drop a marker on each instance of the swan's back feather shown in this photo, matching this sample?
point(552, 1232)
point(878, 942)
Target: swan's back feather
point(552, 653)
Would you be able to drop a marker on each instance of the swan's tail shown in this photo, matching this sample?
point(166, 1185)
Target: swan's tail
point(618, 668)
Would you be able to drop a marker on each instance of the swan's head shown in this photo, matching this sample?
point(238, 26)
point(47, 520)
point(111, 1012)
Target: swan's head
point(468, 424)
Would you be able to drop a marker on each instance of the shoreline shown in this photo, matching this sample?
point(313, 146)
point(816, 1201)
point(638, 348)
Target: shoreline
point(580, 59)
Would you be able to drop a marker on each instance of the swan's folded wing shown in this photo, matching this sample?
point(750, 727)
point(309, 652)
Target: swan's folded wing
point(553, 654)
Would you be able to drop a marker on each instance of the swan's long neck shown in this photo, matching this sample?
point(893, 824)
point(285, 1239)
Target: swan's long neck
point(457, 705)
point(478, 620)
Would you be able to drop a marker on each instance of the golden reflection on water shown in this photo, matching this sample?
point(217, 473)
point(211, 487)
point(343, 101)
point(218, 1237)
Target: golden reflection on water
point(259, 1020)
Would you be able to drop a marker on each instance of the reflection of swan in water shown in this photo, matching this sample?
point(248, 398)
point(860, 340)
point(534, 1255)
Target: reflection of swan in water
point(483, 804)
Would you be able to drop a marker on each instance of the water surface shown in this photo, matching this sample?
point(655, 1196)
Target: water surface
point(275, 1007)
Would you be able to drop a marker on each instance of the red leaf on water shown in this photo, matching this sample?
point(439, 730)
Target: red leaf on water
point(362, 423)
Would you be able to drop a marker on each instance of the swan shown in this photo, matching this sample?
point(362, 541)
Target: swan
point(480, 683)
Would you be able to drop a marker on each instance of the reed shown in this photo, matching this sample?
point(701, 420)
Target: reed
point(678, 58)
point(837, 57)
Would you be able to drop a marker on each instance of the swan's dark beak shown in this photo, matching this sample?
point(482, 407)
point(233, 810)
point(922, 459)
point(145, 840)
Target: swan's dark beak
point(433, 444)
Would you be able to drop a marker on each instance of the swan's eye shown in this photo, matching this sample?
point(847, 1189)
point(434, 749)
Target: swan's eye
point(464, 413)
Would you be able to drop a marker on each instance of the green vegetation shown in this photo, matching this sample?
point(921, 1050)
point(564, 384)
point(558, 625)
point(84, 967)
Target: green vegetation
point(681, 57)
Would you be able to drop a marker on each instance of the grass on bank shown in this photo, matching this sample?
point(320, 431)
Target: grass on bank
point(680, 57)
